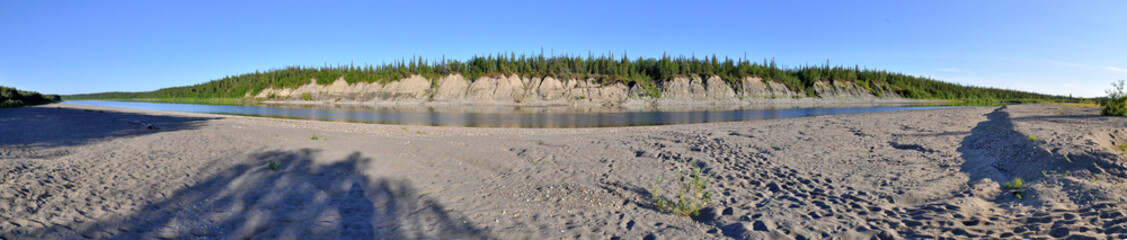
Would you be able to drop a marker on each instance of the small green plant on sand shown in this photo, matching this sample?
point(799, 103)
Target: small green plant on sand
point(313, 136)
point(306, 96)
point(692, 193)
point(1032, 137)
point(1122, 147)
point(1016, 188)
point(1116, 102)
point(272, 165)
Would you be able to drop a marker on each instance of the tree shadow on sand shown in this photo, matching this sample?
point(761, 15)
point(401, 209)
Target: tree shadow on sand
point(303, 199)
point(995, 150)
point(48, 126)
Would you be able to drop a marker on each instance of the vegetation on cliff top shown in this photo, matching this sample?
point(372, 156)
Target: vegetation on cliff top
point(11, 97)
point(648, 73)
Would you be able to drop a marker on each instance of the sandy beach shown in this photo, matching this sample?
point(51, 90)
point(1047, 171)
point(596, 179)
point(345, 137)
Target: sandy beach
point(75, 172)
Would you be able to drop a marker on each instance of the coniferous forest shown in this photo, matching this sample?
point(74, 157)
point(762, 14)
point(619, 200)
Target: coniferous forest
point(647, 73)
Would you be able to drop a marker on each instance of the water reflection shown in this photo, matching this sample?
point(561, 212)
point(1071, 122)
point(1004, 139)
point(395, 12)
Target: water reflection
point(495, 116)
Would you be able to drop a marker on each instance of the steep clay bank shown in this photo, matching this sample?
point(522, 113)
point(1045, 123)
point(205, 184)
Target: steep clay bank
point(549, 91)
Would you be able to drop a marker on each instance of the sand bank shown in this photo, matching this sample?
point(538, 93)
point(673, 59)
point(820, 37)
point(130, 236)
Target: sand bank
point(69, 171)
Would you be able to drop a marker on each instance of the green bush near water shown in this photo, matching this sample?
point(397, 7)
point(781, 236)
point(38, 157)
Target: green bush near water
point(11, 97)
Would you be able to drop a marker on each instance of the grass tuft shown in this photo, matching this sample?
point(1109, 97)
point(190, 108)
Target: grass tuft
point(1015, 184)
point(313, 136)
point(272, 165)
point(1032, 137)
point(692, 193)
point(1016, 188)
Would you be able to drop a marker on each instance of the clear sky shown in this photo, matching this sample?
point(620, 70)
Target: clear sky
point(1055, 47)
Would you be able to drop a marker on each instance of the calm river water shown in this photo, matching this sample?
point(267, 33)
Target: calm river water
point(525, 117)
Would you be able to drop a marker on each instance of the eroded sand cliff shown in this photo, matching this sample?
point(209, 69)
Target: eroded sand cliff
point(546, 91)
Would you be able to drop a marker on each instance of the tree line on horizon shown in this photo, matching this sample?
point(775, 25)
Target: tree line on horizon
point(648, 73)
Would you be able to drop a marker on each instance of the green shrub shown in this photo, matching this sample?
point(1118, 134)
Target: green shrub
point(11, 103)
point(1116, 102)
point(1032, 137)
point(11, 98)
point(272, 165)
point(1016, 188)
point(306, 96)
point(692, 193)
point(1015, 184)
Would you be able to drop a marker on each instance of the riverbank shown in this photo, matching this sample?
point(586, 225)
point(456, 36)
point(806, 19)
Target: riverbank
point(73, 171)
point(513, 90)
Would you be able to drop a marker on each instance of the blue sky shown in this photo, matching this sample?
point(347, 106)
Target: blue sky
point(1055, 47)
